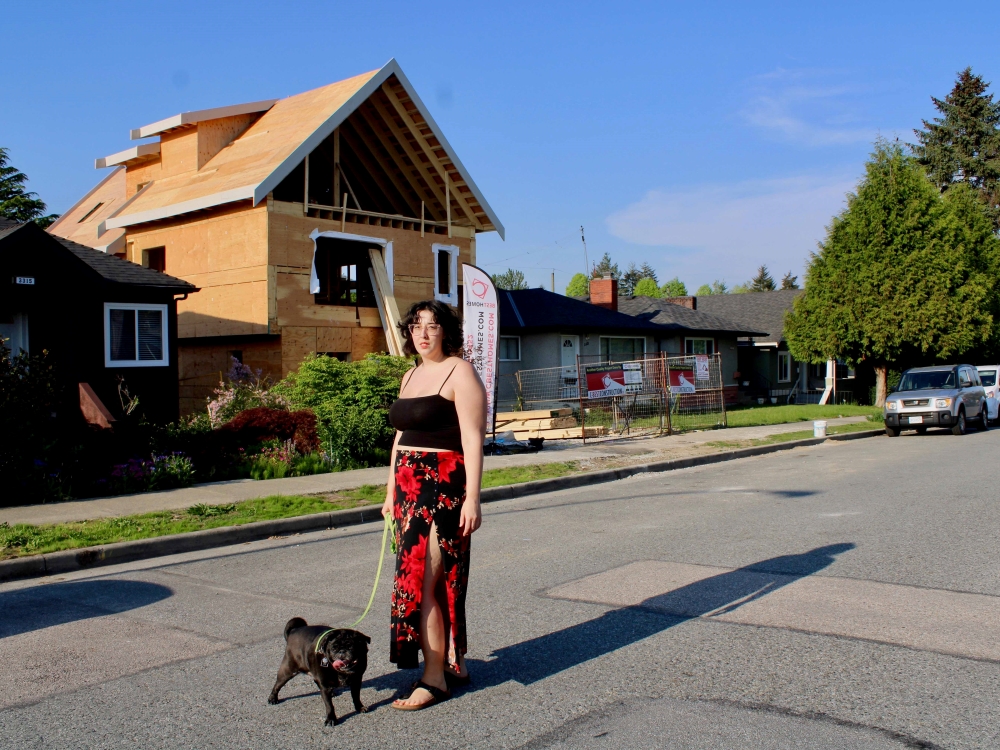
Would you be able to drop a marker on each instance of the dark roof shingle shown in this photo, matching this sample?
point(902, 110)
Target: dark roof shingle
point(761, 311)
point(662, 312)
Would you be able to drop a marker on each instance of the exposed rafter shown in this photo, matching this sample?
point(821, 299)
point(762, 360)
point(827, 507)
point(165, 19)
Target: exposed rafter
point(421, 140)
point(375, 163)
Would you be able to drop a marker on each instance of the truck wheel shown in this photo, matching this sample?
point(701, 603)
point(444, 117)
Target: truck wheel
point(984, 418)
point(959, 428)
point(891, 432)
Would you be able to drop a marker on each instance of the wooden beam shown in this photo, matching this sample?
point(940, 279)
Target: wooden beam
point(366, 142)
point(383, 133)
point(424, 171)
point(414, 129)
point(305, 194)
point(384, 290)
point(336, 165)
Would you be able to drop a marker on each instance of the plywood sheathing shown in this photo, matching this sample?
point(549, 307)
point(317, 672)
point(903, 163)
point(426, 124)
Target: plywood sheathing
point(201, 366)
point(225, 254)
point(110, 192)
point(257, 152)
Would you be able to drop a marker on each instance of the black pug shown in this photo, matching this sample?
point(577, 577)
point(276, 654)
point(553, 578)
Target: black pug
point(333, 658)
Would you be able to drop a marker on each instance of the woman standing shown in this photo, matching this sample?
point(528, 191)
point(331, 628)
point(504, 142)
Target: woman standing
point(433, 495)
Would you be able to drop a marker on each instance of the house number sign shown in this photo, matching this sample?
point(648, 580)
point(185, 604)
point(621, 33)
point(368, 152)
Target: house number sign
point(27, 280)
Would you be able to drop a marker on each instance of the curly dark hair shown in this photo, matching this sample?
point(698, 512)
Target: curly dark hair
point(444, 316)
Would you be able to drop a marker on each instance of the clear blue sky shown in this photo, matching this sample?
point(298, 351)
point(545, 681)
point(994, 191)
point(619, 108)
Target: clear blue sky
point(704, 138)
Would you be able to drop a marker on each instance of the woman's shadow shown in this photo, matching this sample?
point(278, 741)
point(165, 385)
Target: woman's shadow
point(533, 660)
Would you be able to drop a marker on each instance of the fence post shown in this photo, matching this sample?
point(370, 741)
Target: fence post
point(520, 392)
point(722, 390)
point(665, 374)
point(580, 383)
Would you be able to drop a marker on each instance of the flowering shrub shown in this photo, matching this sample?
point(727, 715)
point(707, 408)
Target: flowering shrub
point(243, 389)
point(156, 473)
point(273, 461)
point(262, 424)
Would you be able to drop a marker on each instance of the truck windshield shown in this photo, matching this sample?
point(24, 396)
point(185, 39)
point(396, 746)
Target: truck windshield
point(918, 381)
point(989, 377)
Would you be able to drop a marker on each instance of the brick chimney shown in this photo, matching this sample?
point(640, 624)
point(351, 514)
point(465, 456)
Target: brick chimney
point(689, 302)
point(604, 293)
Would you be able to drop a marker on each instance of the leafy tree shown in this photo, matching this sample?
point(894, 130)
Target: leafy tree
point(716, 287)
point(510, 279)
point(16, 203)
point(762, 282)
point(789, 282)
point(646, 288)
point(579, 286)
point(606, 268)
point(902, 271)
point(964, 144)
point(674, 288)
point(740, 288)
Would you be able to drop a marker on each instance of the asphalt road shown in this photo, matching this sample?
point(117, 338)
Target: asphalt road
point(840, 596)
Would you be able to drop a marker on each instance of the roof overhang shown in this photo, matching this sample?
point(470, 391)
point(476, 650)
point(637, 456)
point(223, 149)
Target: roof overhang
point(175, 209)
point(140, 153)
point(388, 70)
point(192, 118)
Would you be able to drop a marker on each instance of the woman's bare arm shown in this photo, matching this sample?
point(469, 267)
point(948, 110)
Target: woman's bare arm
point(470, 403)
point(387, 505)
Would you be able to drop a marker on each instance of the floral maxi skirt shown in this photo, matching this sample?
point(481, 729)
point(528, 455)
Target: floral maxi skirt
point(429, 489)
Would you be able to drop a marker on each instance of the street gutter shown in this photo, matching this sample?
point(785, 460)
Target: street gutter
point(66, 561)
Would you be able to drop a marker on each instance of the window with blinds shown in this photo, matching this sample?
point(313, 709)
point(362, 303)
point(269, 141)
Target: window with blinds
point(135, 335)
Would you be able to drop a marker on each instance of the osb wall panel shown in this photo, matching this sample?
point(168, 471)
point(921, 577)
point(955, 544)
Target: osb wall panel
point(297, 342)
point(334, 339)
point(139, 174)
point(225, 254)
point(367, 340)
point(297, 307)
point(201, 367)
point(179, 152)
point(215, 135)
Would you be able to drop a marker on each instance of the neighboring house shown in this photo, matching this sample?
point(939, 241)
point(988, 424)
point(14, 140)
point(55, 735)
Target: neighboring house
point(767, 369)
point(273, 207)
point(540, 329)
point(104, 321)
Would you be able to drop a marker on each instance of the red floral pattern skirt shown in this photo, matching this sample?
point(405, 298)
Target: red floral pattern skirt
point(430, 488)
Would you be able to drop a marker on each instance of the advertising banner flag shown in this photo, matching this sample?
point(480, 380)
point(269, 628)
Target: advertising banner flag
point(481, 329)
point(681, 381)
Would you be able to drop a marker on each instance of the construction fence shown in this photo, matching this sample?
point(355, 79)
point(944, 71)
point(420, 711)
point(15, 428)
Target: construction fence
point(601, 398)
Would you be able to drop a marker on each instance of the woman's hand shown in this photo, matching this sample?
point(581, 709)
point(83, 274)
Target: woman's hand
point(387, 505)
point(471, 518)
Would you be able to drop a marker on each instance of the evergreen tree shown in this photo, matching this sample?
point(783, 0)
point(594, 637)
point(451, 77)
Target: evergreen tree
point(579, 286)
point(606, 268)
point(16, 203)
point(510, 279)
point(789, 282)
point(646, 288)
point(674, 288)
point(631, 277)
point(648, 272)
point(964, 144)
point(902, 270)
point(762, 282)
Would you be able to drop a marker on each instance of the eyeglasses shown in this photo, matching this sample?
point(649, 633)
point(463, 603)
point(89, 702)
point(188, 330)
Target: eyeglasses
point(432, 329)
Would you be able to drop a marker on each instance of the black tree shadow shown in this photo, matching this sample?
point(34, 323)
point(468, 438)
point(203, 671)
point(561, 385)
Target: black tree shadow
point(37, 607)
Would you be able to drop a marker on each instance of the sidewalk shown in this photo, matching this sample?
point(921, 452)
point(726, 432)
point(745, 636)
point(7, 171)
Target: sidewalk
point(592, 456)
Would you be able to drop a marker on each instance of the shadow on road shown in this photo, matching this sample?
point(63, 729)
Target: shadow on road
point(538, 658)
point(26, 610)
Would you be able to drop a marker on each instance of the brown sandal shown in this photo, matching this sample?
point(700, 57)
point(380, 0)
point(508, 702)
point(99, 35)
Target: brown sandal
point(437, 696)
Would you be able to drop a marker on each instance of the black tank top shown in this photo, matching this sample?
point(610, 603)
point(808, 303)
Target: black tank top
point(427, 421)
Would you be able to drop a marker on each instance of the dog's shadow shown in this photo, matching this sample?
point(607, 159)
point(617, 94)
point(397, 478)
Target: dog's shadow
point(398, 681)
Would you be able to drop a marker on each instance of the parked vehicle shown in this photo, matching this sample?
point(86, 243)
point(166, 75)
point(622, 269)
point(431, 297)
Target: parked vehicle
point(946, 396)
point(988, 375)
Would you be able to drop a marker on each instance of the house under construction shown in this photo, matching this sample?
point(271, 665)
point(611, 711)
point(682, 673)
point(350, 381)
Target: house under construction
point(308, 223)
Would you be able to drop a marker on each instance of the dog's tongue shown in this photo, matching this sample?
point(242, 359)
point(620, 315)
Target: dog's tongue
point(339, 664)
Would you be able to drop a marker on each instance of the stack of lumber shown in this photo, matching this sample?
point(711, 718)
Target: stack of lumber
point(554, 424)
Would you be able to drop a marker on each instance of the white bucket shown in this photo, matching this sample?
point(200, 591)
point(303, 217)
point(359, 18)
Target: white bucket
point(819, 429)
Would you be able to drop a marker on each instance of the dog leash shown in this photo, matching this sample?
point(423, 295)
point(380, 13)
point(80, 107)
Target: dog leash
point(390, 525)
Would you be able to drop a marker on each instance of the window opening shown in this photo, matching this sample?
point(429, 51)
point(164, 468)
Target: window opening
point(444, 272)
point(784, 367)
point(699, 346)
point(90, 213)
point(156, 258)
point(237, 354)
point(342, 268)
point(622, 349)
point(510, 348)
point(135, 335)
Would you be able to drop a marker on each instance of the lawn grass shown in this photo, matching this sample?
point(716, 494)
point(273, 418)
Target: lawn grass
point(764, 415)
point(787, 436)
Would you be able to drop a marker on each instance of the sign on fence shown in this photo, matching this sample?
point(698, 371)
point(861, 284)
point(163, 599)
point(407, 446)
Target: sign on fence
point(681, 381)
point(605, 380)
point(701, 366)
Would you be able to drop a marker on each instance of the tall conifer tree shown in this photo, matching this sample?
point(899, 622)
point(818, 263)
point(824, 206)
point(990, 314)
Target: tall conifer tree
point(963, 145)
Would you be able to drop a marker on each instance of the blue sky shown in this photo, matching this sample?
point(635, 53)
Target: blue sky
point(703, 138)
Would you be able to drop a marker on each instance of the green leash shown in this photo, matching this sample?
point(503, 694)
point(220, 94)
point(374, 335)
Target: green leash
point(390, 525)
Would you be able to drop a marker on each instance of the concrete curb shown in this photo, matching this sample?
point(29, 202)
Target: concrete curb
point(120, 552)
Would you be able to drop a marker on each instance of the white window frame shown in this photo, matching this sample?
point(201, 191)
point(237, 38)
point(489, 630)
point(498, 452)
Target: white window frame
point(787, 357)
point(699, 338)
point(164, 328)
point(518, 349)
point(452, 297)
